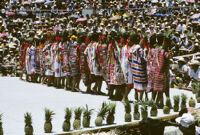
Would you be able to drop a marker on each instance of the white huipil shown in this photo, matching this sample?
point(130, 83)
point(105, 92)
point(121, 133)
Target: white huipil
point(125, 65)
point(90, 52)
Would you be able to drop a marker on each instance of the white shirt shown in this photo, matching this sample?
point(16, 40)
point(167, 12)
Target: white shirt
point(195, 75)
point(184, 68)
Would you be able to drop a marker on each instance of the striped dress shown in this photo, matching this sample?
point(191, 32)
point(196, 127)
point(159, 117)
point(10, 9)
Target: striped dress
point(161, 65)
point(138, 67)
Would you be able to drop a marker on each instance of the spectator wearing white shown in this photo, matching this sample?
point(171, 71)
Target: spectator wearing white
point(194, 71)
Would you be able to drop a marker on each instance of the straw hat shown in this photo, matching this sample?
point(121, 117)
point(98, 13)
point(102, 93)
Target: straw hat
point(181, 59)
point(194, 62)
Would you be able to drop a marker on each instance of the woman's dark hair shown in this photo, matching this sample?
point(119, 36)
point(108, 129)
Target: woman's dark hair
point(160, 38)
point(152, 40)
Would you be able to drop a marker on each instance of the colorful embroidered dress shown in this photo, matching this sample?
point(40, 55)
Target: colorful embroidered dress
point(27, 61)
point(114, 75)
point(150, 69)
point(66, 66)
point(74, 56)
point(125, 64)
point(32, 53)
point(161, 65)
point(57, 60)
point(48, 60)
point(37, 60)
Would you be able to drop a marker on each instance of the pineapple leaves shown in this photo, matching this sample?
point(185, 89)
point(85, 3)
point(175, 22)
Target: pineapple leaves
point(48, 115)
point(28, 119)
point(87, 112)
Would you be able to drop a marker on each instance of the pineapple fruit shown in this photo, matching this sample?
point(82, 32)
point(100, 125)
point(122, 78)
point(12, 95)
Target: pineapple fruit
point(136, 114)
point(176, 103)
point(28, 124)
point(111, 112)
point(48, 118)
point(144, 111)
point(198, 100)
point(86, 117)
point(192, 102)
point(154, 110)
point(183, 101)
point(194, 85)
point(166, 110)
point(77, 122)
point(101, 114)
point(168, 102)
point(66, 124)
point(1, 128)
point(127, 116)
point(198, 92)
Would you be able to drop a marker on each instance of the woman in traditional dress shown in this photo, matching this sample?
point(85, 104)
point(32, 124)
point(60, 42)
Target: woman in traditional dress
point(57, 63)
point(74, 56)
point(66, 66)
point(138, 65)
point(115, 74)
point(161, 65)
point(48, 59)
point(126, 68)
point(27, 62)
point(37, 59)
point(91, 54)
point(150, 67)
point(84, 69)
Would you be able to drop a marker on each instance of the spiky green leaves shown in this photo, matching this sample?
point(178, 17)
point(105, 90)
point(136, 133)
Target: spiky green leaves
point(87, 112)
point(127, 107)
point(48, 115)
point(78, 112)
point(1, 115)
point(176, 99)
point(103, 111)
point(136, 107)
point(168, 102)
point(28, 119)
point(183, 101)
point(111, 108)
point(68, 114)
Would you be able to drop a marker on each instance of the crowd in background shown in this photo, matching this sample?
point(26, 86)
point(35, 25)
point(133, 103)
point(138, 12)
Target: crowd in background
point(55, 30)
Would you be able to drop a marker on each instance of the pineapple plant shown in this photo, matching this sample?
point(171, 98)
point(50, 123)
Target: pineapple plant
point(166, 110)
point(198, 92)
point(1, 128)
point(194, 85)
point(111, 112)
point(77, 121)
point(28, 124)
point(66, 124)
point(48, 118)
point(176, 103)
point(183, 101)
point(192, 102)
point(150, 102)
point(101, 114)
point(168, 102)
point(180, 83)
point(87, 116)
point(154, 110)
point(136, 114)
point(198, 100)
point(144, 111)
point(127, 116)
